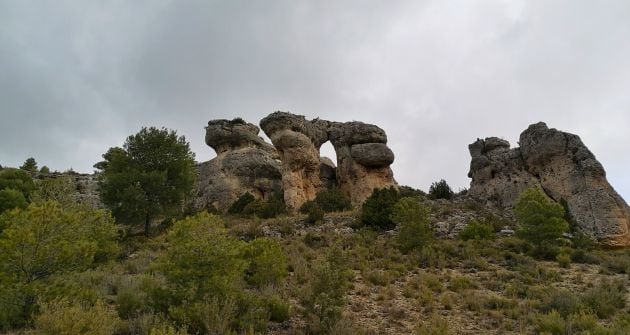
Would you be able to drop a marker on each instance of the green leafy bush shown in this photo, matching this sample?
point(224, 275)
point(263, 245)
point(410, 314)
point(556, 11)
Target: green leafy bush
point(542, 221)
point(239, 205)
point(266, 209)
point(413, 219)
point(10, 199)
point(377, 209)
point(267, 263)
point(440, 190)
point(606, 298)
point(332, 200)
point(477, 231)
point(18, 180)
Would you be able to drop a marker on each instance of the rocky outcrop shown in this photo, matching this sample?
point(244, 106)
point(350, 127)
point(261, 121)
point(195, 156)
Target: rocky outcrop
point(244, 163)
point(561, 165)
point(363, 158)
point(297, 141)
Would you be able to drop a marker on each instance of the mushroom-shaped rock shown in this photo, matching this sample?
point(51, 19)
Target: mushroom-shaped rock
point(363, 159)
point(297, 141)
point(244, 163)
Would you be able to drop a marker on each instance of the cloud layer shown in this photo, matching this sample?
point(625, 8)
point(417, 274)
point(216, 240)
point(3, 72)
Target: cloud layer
point(77, 77)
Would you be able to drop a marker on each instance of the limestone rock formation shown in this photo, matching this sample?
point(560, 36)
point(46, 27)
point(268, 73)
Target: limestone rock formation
point(363, 158)
point(244, 163)
point(563, 167)
point(297, 141)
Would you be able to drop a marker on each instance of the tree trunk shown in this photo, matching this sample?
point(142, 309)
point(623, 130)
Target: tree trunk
point(147, 224)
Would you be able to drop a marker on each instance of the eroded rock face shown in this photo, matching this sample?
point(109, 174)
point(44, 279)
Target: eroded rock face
point(244, 163)
point(563, 167)
point(363, 158)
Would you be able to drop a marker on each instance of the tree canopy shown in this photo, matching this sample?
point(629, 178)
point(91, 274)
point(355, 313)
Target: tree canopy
point(542, 220)
point(151, 175)
point(29, 165)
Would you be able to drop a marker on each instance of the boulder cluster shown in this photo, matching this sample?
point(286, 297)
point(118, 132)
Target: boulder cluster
point(293, 165)
point(561, 165)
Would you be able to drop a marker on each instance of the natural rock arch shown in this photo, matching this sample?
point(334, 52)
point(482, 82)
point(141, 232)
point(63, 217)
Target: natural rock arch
point(363, 158)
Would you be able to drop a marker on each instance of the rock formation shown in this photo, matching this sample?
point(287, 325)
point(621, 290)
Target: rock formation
point(561, 165)
point(244, 163)
point(297, 141)
point(363, 158)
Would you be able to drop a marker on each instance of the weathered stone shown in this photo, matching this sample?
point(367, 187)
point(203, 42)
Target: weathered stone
point(244, 163)
point(561, 165)
point(297, 141)
point(372, 154)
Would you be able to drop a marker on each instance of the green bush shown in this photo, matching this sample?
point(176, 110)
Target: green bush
point(18, 180)
point(564, 260)
point(10, 199)
point(267, 263)
point(542, 221)
point(440, 190)
point(239, 205)
point(606, 298)
point(62, 318)
point(332, 200)
point(324, 299)
point(278, 309)
point(413, 219)
point(377, 209)
point(477, 231)
point(266, 209)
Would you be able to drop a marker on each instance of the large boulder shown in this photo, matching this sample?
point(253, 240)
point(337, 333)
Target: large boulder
point(244, 163)
point(363, 159)
point(563, 167)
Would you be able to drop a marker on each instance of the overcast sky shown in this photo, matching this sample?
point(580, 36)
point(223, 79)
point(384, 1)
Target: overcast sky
point(77, 77)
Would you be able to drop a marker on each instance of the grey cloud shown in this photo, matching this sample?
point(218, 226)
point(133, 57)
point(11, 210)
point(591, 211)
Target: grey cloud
point(77, 77)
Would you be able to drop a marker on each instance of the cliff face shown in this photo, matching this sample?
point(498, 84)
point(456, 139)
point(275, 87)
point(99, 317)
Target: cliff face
point(244, 163)
point(563, 167)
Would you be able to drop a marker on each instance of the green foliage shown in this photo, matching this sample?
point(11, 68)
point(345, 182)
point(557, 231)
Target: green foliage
point(413, 219)
point(440, 190)
point(44, 170)
point(202, 257)
point(266, 209)
point(10, 199)
point(42, 241)
point(377, 209)
point(239, 205)
point(606, 298)
point(267, 263)
point(325, 297)
point(564, 260)
point(410, 192)
point(150, 176)
point(18, 180)
point(61, 190)
point(313, 210)
point(30, 165)
point(63, 318)
point(332, 200)
point(542, 221)
point(477, 231)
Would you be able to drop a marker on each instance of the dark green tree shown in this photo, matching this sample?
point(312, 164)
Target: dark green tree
point(29, 165)
point(440, 190)
point(10, 199)
point(377, 209)
point(151, 175)
point(541, 219)
point(18, 180)
point(44, 170)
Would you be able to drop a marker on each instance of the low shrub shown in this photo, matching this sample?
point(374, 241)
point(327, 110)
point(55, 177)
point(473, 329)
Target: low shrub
point(332, 200)
point(440, 190)
point(63, 318)
point(413, 219)
point(477, 231)
point(239, 205)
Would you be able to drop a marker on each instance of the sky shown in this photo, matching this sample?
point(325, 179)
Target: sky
point(78, 77)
